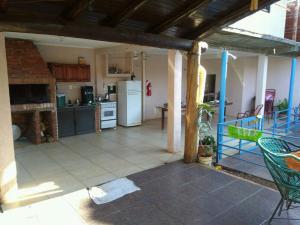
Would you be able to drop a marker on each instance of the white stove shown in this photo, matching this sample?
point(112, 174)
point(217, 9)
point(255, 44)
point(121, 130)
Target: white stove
point(108, 114)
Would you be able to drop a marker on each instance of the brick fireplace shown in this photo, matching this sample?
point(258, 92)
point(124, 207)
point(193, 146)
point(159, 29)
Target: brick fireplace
point(27, 72)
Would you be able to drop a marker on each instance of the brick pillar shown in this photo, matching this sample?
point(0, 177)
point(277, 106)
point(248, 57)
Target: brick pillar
point(54, 126)
point(8, 174)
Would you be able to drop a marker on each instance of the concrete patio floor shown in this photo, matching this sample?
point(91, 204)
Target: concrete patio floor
point(173, 194)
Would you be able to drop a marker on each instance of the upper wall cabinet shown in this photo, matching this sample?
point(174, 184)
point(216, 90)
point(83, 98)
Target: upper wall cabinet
point(118, 64)
point(70, 72)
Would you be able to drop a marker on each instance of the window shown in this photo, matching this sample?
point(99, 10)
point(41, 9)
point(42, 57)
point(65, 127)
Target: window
point(210, 86)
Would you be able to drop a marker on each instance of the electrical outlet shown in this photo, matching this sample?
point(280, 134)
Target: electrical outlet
point(70, 87)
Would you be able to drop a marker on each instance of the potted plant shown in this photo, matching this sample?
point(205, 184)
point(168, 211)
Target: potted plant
point(207, 144)
point(282, 105)
point(206, 150)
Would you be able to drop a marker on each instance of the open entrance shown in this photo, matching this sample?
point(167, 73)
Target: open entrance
point(66, 106)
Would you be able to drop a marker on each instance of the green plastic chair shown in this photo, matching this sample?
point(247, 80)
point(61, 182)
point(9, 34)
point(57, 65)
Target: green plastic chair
point(275, 152)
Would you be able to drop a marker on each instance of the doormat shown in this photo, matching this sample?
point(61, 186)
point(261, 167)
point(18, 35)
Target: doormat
point(112, 190)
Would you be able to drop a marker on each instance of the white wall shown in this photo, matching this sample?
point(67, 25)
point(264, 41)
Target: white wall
point(249, 82)
point(261, 22)
point(157, 74)
point(240, 84)
point(241, 81)
point(279, 78)
point(235, 81)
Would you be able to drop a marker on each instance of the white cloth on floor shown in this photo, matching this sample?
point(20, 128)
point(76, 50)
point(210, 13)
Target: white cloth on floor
point(112, 190)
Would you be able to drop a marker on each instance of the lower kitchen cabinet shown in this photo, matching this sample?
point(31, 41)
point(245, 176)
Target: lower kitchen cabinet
point(75, 120)
point(65, 120)
point(85, 120)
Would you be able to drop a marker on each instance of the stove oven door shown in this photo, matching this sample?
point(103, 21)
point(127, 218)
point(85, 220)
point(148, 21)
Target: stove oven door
point(108, 114)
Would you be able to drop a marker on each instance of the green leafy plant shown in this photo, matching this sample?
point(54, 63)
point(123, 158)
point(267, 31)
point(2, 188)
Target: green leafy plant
point(282, 105)
point(207, 146)
point(208, 140)
point(207, 143)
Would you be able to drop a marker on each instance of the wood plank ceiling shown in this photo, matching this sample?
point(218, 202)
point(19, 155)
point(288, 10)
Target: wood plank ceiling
point(158, 23)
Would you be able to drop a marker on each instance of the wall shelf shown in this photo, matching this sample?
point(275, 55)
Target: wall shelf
point(118, 74)
point(118, 61)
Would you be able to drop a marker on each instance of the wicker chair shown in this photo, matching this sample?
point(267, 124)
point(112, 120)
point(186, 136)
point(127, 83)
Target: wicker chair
point(276, 152)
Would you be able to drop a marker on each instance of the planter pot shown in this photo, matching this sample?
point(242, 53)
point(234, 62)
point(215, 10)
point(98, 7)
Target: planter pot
point(205, 150)
point(207, 161)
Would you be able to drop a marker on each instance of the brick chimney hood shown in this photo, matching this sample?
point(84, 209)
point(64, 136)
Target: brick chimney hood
point(25, 64)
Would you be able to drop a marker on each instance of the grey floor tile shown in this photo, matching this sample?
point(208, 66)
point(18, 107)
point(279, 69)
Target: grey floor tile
point(236, 191)
point(213, 181)
point(227, 219)
point(149, 215)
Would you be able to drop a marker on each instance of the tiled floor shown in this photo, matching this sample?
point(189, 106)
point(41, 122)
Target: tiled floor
point(73, 163)
point(173, 194)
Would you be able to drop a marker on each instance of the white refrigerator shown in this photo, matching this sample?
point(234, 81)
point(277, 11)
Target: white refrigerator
point(129, 103)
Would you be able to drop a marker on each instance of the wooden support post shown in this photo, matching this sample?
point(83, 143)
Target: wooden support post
point(191, 127)
point(8, 174)
point(174, 100)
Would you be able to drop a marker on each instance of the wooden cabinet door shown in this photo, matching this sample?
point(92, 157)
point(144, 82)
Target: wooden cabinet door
point(71, 72)
point(84, 73)
point(58, 72)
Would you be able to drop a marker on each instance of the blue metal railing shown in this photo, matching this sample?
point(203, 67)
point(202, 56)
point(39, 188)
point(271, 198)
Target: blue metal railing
point(226, 142)
point(282, 121)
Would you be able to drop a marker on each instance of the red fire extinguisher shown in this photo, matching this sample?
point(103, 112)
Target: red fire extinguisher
point(148, 88)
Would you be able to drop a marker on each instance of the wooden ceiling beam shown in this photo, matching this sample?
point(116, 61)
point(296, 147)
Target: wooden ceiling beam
point(3, 5)
point(225, 18)
point(96, 32)
point(76, 9)
point(126, 12)
point(178, 14)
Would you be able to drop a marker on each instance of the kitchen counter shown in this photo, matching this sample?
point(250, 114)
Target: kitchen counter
point(77, 106)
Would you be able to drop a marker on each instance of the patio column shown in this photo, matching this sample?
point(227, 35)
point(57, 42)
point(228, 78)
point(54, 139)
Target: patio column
point(291, 92)
point(8, 182)
point(223, 78)
point(261, 81)
point(174, 100)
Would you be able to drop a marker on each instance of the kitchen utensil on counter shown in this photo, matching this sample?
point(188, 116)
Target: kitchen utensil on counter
point(132, 77)
point(106, 97)
point(77, 102)
point(98, 99)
